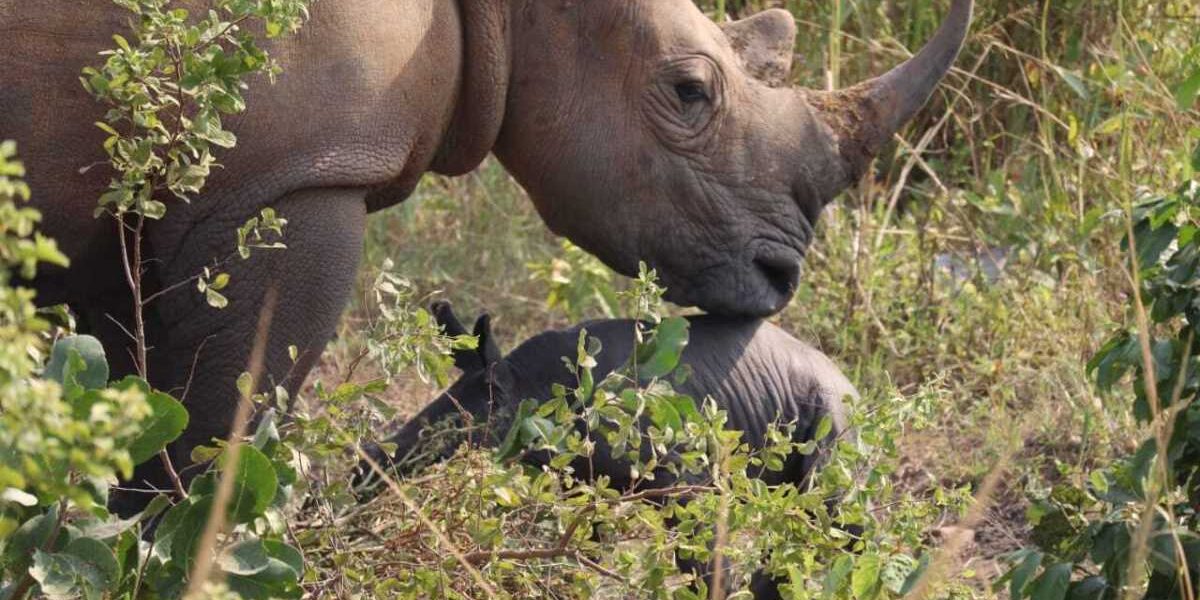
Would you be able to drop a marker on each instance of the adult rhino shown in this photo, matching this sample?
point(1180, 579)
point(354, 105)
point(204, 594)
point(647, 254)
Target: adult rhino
point(641, 130)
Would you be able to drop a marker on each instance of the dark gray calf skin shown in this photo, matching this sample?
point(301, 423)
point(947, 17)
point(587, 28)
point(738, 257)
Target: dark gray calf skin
point(757, 372)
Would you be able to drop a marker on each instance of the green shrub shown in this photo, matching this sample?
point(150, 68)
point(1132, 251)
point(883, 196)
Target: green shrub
point(1133, 527)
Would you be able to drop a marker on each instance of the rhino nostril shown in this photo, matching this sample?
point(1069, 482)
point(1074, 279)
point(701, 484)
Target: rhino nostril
point(782, 273)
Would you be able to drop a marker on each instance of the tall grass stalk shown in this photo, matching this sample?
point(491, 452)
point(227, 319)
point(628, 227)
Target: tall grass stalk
point(215, 526)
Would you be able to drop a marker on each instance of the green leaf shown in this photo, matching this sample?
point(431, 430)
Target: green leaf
point(220, 281)
point(824, 428)
point(896, 572)
point(662, 354)
point(913, 578)
point(186, 522)
point(285, 553)
point(511, 446)
point(33, 534)
point(245, 384)
point(95, 374)
point(278, 580)
point(215, 299)
point(1023, 572)
point(1094, 587)
point(153, 209)
point(1186, 92)
point(686, 407)
point(86, 567)
point(113, 527)
point(266, 436)
point(538, 429)
point(1114, 359)
point(121, 42)
point(865, 582)
point(265, 569)
point(1074, 81)
point(168, 418)
point(1053, 583)
point(836, 577)
point(58, 576)
point(1152, 242)
point(254, 485)
point(246, 557)
point(219, 137)
point(98, 556)
point(664, 415)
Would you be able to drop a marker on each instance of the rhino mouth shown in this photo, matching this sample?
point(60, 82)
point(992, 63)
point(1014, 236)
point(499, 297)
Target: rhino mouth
point(774, 273)
point(782, 273)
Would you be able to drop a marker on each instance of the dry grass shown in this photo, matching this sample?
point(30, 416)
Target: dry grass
point(1010, 155)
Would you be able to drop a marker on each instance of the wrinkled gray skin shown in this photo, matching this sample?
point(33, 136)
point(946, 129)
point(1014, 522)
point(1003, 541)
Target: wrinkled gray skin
point(641, 129)
point(757, 372)
point(754, 370)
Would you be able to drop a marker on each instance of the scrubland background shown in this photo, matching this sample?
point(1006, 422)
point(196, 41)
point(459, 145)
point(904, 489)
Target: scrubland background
point(980, 268)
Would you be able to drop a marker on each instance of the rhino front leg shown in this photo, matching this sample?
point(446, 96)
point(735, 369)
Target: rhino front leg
point(299, 294)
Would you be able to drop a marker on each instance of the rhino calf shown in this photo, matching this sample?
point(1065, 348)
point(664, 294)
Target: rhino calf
point(758, 373)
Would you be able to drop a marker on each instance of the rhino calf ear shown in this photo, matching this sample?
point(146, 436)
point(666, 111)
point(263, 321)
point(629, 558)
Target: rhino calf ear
point(488, 351)
point(467, 361)
point(765, 43)
point(443, 313)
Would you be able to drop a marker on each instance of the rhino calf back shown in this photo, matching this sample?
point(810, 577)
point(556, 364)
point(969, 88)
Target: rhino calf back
point(758, 373)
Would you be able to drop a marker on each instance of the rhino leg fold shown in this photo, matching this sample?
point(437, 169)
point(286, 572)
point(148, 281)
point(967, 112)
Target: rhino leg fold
point(201, 351)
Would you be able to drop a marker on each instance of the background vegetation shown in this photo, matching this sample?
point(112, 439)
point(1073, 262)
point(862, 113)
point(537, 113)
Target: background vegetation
point(981, 268)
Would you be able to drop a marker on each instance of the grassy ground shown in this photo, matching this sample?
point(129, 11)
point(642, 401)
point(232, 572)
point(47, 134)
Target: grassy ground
point(1060, 114)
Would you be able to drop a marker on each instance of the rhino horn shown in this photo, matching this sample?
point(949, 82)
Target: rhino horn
point(864, 117)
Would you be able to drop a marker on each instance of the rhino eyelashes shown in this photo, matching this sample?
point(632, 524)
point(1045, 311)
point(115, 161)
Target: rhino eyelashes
point(691, 92)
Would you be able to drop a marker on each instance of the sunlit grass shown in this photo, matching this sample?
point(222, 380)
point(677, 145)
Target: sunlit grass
point(1057, 115)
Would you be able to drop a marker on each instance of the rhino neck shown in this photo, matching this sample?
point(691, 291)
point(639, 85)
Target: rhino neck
point(483, 86)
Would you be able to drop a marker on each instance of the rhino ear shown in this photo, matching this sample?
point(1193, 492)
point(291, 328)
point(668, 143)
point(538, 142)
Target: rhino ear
point(444, 314)
point(467, 361)
point(488, 351)
point(765, 43)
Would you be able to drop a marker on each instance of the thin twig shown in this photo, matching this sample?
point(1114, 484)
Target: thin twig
point(722, 537)
point(187, 387)
point(442, 539)
point(1162, 427)
point(560, 549)
point(172, 474)
point(683, 490)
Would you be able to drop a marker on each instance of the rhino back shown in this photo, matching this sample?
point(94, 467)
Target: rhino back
point(368, 87)
point(763, 376)
point(755, 370)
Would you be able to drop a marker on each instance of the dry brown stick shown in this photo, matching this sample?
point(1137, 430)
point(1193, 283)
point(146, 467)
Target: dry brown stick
point(441, 536)
point(558, 550)
point(1163, 423)
point(722, 537)
point(133, 278)
point(948, 553)
point(682, 490)
point(216, 517)
point(172, 474)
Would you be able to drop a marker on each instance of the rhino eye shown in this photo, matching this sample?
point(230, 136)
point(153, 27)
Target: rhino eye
point(690, 92)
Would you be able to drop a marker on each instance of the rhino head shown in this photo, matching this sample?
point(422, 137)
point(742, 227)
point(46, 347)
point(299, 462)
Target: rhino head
point(644, 131)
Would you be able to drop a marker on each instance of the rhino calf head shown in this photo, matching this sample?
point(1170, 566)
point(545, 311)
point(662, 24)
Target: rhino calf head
point(644, 131)
point(758, 373)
